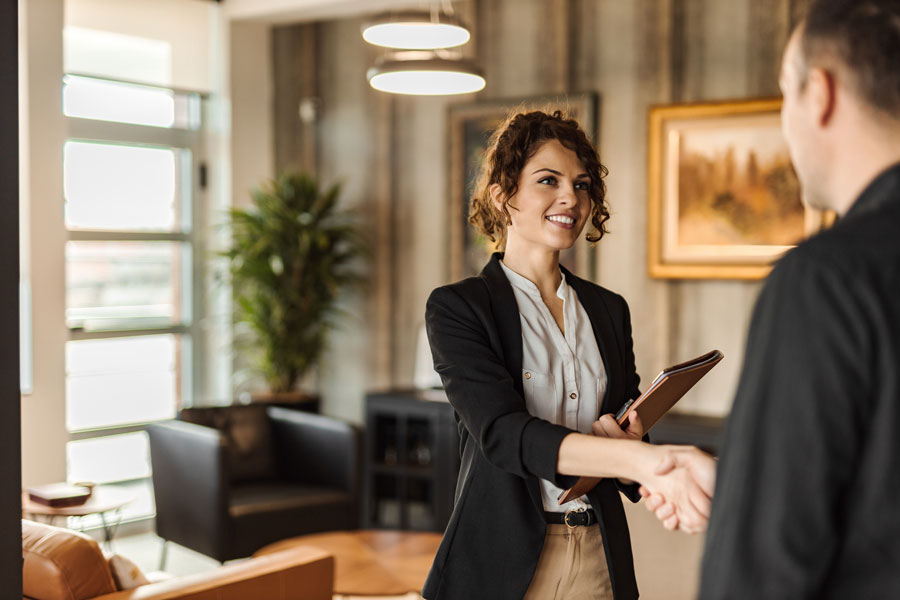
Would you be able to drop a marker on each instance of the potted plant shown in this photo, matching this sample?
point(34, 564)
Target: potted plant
point(292, 253)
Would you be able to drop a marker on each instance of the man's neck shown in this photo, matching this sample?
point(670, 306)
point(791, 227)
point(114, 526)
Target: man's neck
point(861, 161)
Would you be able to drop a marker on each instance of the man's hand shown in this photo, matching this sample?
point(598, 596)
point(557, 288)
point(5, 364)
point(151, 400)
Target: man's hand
point(606, 426)
point(689, 475)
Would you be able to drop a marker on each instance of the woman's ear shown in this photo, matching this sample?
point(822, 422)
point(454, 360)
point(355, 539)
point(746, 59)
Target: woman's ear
point(497, 196)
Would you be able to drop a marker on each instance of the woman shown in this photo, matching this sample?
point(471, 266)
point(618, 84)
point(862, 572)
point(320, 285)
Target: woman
point(530, 357)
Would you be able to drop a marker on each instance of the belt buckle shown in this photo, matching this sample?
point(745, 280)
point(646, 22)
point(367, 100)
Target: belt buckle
point(566, 517)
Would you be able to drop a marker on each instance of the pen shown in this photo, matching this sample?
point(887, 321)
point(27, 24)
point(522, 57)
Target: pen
point(624, 408)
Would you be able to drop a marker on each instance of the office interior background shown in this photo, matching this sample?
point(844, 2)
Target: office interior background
point(125, 312)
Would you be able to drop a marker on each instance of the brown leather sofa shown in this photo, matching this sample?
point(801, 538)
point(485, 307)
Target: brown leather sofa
point(60, 564)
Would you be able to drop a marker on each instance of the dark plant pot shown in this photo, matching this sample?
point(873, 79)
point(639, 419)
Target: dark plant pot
point(295, 400)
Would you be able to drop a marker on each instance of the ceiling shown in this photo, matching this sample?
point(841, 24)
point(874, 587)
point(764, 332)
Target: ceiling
point(295, 11)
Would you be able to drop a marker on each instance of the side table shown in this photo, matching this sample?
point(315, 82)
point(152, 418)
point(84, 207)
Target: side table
point(101, 502)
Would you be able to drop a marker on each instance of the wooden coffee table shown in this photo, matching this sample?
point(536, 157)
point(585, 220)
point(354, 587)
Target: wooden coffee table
point(372, 562)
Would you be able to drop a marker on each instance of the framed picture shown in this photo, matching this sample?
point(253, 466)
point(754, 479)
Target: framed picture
point(470, 127)
point(724, 201)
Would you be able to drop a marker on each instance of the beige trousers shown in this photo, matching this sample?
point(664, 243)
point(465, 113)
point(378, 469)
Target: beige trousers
point(572, 566)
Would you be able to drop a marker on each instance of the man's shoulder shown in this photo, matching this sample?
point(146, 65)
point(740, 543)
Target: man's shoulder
point(820, 250)
point(818, 257)
point(849, 249)
point(845, 261)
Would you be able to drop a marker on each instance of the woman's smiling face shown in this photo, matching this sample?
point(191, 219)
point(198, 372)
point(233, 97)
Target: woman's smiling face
point(553, 201)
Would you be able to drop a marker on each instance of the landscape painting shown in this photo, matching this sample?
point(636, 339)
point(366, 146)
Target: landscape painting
point(724, 199)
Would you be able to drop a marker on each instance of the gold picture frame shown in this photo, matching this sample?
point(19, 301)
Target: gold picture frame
point(723, 199)
point(469, 127)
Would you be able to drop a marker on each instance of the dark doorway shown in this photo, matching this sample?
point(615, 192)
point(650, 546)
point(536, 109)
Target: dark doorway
point(10, 418)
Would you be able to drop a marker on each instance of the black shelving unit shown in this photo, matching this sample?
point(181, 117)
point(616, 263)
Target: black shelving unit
point(411, 461)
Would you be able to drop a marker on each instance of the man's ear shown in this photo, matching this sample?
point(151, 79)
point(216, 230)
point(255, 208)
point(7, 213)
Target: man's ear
point(821, 89)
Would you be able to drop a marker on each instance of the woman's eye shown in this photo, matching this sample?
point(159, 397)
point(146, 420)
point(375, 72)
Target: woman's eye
point(582, 185)
point(549, 180)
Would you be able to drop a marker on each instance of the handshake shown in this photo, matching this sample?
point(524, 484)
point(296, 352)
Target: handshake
point(677, 482)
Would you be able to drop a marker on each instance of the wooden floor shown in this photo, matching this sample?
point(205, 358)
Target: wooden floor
point(373, 562)
point(144, 550)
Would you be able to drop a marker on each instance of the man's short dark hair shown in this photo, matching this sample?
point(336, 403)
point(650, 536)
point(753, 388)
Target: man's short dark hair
point(864, 37)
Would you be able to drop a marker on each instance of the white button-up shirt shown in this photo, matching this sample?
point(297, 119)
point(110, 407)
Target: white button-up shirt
point(562, 374)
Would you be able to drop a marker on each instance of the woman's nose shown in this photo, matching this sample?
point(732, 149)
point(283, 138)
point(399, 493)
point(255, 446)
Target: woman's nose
point(566, 195)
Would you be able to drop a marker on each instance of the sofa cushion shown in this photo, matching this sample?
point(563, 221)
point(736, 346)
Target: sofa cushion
point(253, 498)
point(60, 564)
point(125, 573)
point(251, 451)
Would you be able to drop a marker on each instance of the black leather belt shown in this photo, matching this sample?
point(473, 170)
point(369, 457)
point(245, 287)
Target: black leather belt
point(572, 518)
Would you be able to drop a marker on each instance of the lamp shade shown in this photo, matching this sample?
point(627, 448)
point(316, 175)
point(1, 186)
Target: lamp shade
point(426, 77)
point(417, 30)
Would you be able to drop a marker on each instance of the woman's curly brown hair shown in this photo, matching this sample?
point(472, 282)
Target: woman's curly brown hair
point(511, 145)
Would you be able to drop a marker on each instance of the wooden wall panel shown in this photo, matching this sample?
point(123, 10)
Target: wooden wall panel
point(687, 46)
point(354, 133)
point(556, 39)
point(410, 162)
point(383, 281)
point(634, 47)
point(295, 70)
point(770, 25)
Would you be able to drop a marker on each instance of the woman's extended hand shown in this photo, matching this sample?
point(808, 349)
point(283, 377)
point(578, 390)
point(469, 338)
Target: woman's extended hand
point(689, 474)
point(606, 426)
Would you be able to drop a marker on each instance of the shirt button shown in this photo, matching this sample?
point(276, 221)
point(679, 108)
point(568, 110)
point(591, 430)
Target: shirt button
point(573, 395)
point(527, 375)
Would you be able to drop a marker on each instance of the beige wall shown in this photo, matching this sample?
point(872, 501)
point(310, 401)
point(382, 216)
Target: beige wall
point(250, 86)
point(186, 27)
point(42, 133)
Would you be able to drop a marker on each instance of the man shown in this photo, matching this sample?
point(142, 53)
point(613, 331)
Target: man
point(807, 497)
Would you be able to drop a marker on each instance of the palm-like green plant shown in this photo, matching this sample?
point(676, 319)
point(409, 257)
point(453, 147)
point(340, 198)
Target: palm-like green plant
point(292, 253)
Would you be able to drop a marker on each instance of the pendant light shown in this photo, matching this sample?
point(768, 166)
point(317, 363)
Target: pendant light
point(425, 74)
point(419, 62)
point(416, 30)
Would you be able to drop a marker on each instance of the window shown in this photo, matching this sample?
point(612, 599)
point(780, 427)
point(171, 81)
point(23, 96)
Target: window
point(133, 170)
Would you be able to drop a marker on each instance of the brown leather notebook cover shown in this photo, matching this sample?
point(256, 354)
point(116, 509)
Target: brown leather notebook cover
point(667, 389)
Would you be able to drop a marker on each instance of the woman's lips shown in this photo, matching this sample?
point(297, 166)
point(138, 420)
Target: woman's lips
point(565, 222)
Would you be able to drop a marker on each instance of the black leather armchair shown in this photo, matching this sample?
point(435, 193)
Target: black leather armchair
point(252, 475)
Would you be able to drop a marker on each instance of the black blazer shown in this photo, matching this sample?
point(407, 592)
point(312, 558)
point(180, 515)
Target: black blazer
point(495, 535)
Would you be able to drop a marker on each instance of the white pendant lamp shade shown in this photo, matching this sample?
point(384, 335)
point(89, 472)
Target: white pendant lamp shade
point(418, 63)
point(415, 31)
point(426, 77)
